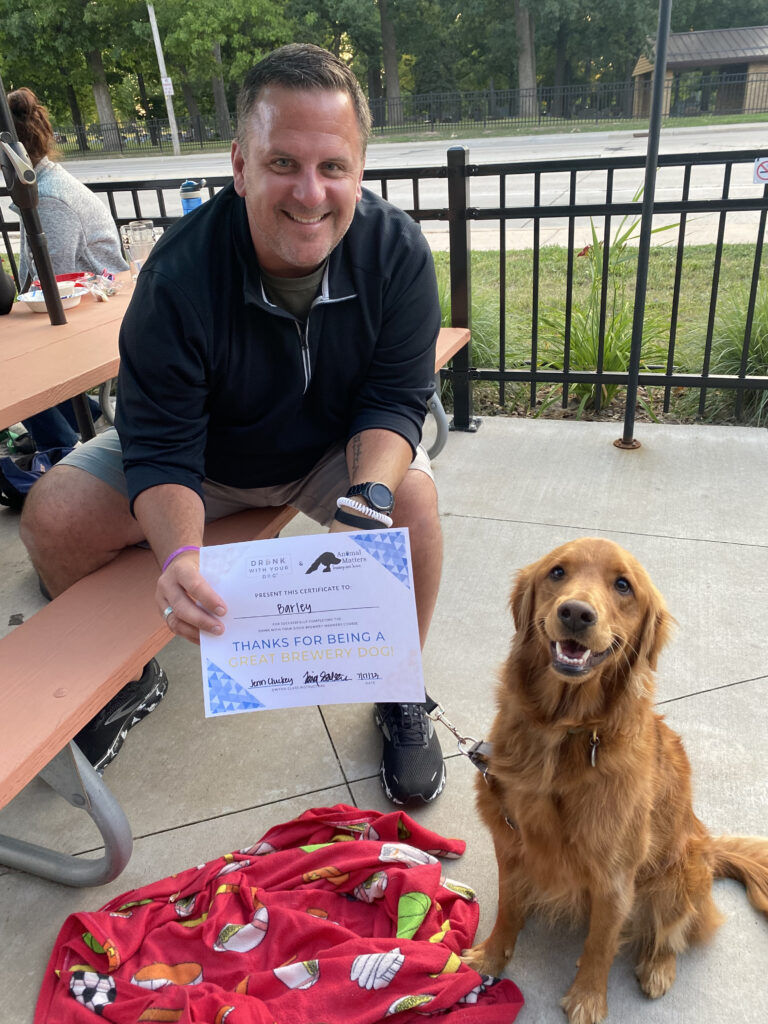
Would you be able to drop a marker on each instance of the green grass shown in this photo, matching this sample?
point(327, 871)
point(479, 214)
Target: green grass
point(696, 285)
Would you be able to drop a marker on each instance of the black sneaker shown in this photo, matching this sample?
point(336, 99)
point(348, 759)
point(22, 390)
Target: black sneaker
point(103, 736)
point(412, 762)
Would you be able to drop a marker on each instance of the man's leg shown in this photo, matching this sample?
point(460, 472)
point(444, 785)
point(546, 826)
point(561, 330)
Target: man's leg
point(74, 522)
point(416, 508)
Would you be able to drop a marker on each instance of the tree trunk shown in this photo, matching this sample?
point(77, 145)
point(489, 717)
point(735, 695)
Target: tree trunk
point(76, 115)
point(375, 94)
point(391, 72)
point(220, 98)
point(104, 109)
point(149, 113)
point(526, 60)
point(195, 121)
point(560, 105)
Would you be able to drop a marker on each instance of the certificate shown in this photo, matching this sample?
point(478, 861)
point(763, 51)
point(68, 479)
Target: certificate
point(324, 619)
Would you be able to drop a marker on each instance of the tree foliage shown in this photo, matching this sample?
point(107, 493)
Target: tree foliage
point(53, 46)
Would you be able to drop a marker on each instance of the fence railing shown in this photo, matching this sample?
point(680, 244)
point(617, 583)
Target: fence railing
point(518, 210)
point(686, 95)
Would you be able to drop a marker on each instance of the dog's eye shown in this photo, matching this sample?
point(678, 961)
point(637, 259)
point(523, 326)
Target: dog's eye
point(557, 573)
point(623, 585)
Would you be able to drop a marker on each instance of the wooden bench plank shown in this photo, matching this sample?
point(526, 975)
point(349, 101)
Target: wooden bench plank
point(449, 341)
point(61, 666)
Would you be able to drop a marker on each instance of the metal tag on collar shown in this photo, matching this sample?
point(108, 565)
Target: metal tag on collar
point(594, 743)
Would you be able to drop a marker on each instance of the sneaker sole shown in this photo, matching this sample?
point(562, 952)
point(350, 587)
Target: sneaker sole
point(114, 748)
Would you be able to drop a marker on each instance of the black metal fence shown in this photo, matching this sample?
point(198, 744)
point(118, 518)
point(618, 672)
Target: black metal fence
point(686, 95)
point(565, 209)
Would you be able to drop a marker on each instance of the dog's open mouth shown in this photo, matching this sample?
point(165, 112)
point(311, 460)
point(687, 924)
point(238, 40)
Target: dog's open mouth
point(574, 658)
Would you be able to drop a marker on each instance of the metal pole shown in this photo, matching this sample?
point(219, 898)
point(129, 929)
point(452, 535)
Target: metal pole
point(161, 65)
point(21, 182)
point(644, 242)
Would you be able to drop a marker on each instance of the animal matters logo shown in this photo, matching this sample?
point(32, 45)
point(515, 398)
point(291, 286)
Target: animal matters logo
point(327, 559)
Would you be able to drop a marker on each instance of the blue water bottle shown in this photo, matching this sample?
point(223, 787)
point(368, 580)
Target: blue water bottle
point(191, 195)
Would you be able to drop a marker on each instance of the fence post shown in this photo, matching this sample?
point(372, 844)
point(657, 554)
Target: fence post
point(459, 241)
point(627, 439)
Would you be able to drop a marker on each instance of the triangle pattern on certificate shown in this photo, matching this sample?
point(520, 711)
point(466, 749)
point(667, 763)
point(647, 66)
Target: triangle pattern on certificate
point(226, 695)
point(389, 550)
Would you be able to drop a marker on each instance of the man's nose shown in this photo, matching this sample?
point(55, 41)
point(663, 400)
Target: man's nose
point(309, 189)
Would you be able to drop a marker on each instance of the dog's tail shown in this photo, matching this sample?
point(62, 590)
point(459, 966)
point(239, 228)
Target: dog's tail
point(744, 858)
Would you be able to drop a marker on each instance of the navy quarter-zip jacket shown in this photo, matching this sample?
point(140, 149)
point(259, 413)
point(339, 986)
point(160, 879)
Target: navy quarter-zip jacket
point(216, 381)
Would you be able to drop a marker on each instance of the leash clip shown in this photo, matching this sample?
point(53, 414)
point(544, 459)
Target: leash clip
point(476, 750)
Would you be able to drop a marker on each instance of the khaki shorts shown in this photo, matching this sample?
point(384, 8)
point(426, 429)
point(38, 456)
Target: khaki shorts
point(315, 495)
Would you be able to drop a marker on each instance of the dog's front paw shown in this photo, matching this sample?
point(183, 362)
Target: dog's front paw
point(484, 960)
point(584, 1007)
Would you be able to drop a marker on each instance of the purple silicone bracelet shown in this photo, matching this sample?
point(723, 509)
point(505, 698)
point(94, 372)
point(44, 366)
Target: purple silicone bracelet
point(178, 551)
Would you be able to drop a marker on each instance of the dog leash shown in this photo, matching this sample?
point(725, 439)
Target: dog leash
point(478, 751)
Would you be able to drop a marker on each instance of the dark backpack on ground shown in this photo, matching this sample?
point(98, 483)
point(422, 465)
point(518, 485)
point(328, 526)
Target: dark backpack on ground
point(18, 475)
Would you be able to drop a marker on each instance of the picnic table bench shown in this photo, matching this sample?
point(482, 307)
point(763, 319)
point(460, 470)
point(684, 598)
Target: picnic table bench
point(86, 645)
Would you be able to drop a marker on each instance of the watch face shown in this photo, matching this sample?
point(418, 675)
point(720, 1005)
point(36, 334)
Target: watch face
point(380, 497)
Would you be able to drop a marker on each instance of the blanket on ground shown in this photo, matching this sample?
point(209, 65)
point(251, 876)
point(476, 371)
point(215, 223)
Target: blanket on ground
point(341, 916)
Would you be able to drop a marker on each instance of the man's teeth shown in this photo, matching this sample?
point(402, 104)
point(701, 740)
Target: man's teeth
point(580, 660)
point(306, 220)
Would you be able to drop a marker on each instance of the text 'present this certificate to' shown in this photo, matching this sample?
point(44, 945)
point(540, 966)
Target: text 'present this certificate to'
point(323, 619)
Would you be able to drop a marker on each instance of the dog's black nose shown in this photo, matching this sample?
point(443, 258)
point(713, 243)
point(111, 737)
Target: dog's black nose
point(577, 615)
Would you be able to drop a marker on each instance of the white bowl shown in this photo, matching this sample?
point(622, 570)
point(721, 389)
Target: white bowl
point(70, 297)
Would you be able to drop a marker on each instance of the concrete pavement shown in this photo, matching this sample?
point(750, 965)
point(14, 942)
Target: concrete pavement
point(691, 503)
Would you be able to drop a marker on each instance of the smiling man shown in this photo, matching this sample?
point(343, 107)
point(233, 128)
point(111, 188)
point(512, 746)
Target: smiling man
point(278, 349)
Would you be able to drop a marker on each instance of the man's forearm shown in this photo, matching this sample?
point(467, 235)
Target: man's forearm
point(171, 516)
point(378, 455)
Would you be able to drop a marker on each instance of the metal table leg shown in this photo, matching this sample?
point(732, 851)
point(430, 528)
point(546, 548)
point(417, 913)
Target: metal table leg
point(73, 777)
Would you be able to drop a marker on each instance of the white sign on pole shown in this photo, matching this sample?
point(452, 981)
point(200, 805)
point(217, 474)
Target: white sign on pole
point(167, 86)
point(761, 170)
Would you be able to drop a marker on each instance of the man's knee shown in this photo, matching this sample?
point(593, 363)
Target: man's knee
point(416, 501)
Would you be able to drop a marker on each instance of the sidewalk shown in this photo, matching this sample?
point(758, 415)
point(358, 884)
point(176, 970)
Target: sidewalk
point(691, 503)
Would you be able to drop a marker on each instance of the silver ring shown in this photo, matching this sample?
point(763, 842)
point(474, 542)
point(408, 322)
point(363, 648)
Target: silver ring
point(167, 613)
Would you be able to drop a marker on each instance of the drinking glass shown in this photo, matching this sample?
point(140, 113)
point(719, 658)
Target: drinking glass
point(138, 238)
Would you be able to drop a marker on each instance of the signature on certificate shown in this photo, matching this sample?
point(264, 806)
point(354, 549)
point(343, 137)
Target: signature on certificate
point(325, 677)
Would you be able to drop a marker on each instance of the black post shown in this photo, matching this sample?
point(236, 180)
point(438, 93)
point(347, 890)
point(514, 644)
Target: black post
point(459, 241)
point(644, 241)
point(21, 182)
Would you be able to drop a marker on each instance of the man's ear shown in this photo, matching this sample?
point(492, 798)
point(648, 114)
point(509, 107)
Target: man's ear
point(238, 167)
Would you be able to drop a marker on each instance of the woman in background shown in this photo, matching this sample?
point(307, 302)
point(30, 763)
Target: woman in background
point(81, 237)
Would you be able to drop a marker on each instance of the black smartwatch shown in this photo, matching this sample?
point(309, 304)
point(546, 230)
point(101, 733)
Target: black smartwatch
point(378, 496)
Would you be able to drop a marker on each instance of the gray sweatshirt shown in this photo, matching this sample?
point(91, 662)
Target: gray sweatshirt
point(80, 231)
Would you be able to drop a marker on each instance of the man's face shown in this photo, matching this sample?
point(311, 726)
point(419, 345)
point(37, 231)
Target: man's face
point(300, 172)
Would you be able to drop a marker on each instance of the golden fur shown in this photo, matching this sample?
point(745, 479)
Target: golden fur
point(616, 841)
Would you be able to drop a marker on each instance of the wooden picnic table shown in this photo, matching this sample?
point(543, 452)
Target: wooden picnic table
point(42, 365)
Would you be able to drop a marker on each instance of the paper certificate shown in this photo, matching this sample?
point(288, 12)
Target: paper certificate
point(324, 619)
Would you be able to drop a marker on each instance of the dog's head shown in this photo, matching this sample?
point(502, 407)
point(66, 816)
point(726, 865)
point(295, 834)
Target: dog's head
point(586, 603)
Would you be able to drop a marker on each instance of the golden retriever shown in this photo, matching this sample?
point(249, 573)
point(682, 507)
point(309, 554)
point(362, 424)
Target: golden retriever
point(588, 791)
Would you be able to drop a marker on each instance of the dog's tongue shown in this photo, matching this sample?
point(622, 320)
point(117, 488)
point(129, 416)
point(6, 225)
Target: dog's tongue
point(569, 650)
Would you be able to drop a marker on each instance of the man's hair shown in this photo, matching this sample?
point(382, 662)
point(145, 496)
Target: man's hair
point(301, 66)
point(33, 127)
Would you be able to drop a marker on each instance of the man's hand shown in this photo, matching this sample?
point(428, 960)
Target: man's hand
point(195, 604)
point(173, 517)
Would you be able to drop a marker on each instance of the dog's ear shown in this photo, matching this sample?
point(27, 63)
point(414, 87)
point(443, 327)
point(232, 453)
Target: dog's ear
point(657, 628)
point(521, 601)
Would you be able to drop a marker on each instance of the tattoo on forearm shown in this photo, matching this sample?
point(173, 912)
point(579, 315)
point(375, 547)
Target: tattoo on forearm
point(356, 452)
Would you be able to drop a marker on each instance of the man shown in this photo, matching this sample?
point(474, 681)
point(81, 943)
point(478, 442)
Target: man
point(279, 348)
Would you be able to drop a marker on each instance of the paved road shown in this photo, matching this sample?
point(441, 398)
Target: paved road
point(707, 182)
